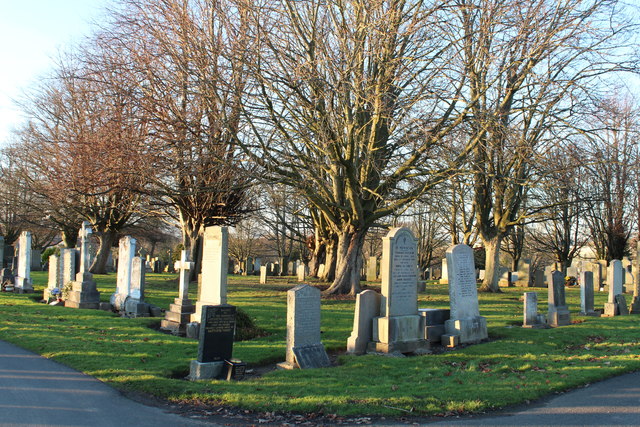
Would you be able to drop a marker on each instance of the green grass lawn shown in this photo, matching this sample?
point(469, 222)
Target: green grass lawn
point(515, 366)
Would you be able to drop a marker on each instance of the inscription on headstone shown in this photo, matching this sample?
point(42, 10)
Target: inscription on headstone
point(217, 327)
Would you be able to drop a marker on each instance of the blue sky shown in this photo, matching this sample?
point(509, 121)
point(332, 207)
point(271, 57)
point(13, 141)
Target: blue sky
point(31, 32)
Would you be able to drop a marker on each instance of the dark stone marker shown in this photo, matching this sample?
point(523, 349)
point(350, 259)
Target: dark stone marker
point(622, 305)
point(217, 327)
point(312, 356)
point(235, 369)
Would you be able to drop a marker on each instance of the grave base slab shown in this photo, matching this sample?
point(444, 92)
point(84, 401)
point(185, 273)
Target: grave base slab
point(471, 329)
point(205, 371)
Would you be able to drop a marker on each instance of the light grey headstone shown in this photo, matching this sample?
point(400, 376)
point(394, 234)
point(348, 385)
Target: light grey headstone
point(615, 277)
point(523, 273)
point(215, 261)
point(137, 278)
point(586, 292)
point(68, 258)
point(302, 272)
point(366, 309)
point(23, 278)
point(559, 314)
point(372, 269)
point(303, 328)
point(532, 319)
point(444, 275)
point(263, 275)
point(465, 319)
point(126, 254)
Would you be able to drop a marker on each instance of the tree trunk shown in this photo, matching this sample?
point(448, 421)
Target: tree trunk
point(106, 238)
point(492, 264)
point(69, 237)
point(330, 257)
point(317, 257)
point(347, 273)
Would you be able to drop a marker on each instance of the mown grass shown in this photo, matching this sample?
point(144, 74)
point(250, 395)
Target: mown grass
point(515, 366)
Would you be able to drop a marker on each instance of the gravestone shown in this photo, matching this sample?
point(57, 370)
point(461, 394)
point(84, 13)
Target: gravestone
point(367, 308)
point(126, 253)
point(320, 270)
point(214, 269)
point(180, 311)
point(432, 323)
point(23, 278)
point(547, 274)
point(215, 341)
point(54, 282)
point(134, 304)
point(635, 302)
point(257, 264)
point(604, 269)
point(627, 277)
point(68, 257)
point(615, 276)
point(304, 347)
point(559, 314)
point(444, 275)
point(36, 260)
point(263, 275)
point(538, 278)
point(622, 305)
point(84, 292)
point(372, 269)
point(532, 319)
point(586, 293)
point(465, 320)
point(302, 272)
point(398, 327)
point(596, 269)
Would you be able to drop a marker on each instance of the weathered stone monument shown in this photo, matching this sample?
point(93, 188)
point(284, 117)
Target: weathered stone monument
point(55, 277)
point(126, 253)
point(532, 319)
point(367, 308)
point(558, 314)
point(304, 347)
point(398, 327)
point(23, 278)
point(615, 276)
point(215, 341)
point(586, 293)
point(635, 302)
point(524, 273)
point(372, 269)
point(134, 304)
point(444, 275)
point(84, 293)
point(215, 261)
point(302, 272)
point(263, 275)
point(68, 258)
point(465, 320)
point(179, 314)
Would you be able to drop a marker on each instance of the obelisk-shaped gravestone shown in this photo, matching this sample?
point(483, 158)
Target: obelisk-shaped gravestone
point(635, 302)
point(304, 347)
point(126, 253)
point(586, 293)
point(559, 314)
point(215, 261)
point(23, 278)
point(615, 275)
point(398, 327)
point(180, 311)
point(84, 293)
point(464, 320)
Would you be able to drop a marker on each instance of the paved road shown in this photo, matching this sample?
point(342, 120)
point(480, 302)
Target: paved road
point(35, 391)
point(613, 402)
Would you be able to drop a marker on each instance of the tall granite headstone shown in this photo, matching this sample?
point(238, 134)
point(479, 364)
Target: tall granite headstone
point(304, 346)
point(398, 327)
point(586, 293)
point(615, 275)
point(179, 314)
point(464, 320)
point(215, 261)
point(23, 278)
point(559, 314)
point(84, 292)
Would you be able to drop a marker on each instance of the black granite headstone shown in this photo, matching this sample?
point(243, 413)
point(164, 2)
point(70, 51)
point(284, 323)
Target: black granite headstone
point(217, 327)
point(623, 310)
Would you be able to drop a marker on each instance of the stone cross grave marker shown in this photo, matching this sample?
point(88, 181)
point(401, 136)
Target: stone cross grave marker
point(558, 312)
point(23, 279)
point(398, 327)
point(85, 254)
point(215, 341)
point(615, 276)
point(586, 293)
point(180, 311)
point(215, 262)
point(465, 320)
point(304, 346)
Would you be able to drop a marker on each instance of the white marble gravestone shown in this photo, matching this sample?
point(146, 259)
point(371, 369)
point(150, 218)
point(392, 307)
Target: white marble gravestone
point(304, 346)
point(55, 277)
point(398, 327)
point(126, 253)
point(215, 261)
point(263, 275)
point(23, 278)
point(464, 320)
point(135, 305)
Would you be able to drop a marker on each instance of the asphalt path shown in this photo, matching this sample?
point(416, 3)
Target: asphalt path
point(35, 391)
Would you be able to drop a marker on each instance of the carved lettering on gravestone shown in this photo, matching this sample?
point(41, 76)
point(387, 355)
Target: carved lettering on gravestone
point(218, 323)
point(399, 274)
point(313, 356)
